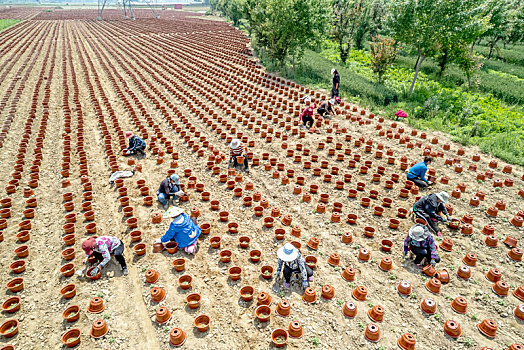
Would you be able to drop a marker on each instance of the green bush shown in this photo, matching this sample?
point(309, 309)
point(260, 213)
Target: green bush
point(5, 23)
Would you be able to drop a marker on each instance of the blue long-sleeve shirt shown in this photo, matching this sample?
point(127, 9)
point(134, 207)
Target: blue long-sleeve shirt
point(136, 142)
point(183, 231)
point(418, 171)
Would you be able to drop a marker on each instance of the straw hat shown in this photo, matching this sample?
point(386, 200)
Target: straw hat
point(443, 196)
point(418, 233)
point(235, 143)
point(287, 253)
point(332, 101)
point(172, 212)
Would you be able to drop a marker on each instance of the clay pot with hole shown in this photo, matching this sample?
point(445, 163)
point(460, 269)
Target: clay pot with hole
point(152, 276)
point(443, 276)
point(177, 337)
point(163, 315)
point(464, 272)
point(491, 241)
point(359, 293)
point(404, 288)
point(470, 259)
point(96, 305)
point(350, 309)
point(500, 288)
point(452, 329)
point(493, 275)
point(510, 242)
point(372, 333)
point(488, 327)
point(459, 305)
point(433, 285)
point(309, 296)
point(283, 308)
point(295, 329)
point(328, 292)
point(515, 254)
point(407, 341)
point(376, 313)
point(334, 259)
point(428, 306)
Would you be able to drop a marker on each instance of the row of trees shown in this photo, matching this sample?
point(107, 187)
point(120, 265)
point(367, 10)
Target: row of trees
point(444, 30)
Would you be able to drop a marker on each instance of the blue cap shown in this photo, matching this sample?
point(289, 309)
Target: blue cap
point(175, 178)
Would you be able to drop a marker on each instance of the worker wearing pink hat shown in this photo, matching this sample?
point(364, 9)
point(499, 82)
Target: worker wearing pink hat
point(136, 144)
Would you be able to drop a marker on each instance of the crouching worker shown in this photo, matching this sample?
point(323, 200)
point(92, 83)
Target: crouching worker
point(238, 154)
point(183, 230)
point(101, 248)
point(293, 262)
point(417, 173)
point(420, 243)
point(306, 117)
point(326, 108)
point(169, 187)
point(136, 144)
point(429, 208)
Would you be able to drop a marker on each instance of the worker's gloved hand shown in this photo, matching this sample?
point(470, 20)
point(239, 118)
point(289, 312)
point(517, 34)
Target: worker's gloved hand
point(158, 241)
point(433, 262)
point(179, 193)
point(95, 271)
point(305, 284)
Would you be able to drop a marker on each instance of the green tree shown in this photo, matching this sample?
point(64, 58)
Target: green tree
point(347, 17)
point(416, 23)
point(502, 17)
point(383, 53)
point(469, 63)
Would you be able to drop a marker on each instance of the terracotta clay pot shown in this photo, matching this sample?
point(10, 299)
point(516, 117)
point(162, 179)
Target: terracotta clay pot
point(433, 285)
point(96, 305)
point(510, 241)
point(71, 314)
point(15, 285)
point(152, 276)
point(407, 341)
point(177, 337)
point(179, 264)
point(491, 241)
point(328, 292)
point(360, 293)
point(158, 294)
point(446, 245)
point(163, 315)
point(429, 270)
point(428, 306)
point(309, 296)
point(313, 243)
point(235, 273)
point(442, 276)
point(263, 313)
point(364, 255)
point(246, 293)
point(11, 305)
point(334, 259)
point(459, 305)
point(193, 300)
point(185, 281)
point(386, 264)
point(202, 323)
point(488, 327)
point(404, 288)
point(295, 329)
point(464, 272)
point(68, 291)
point(515, 254)
point(348, 274)
point(372, 333)
point(279, 337)
point(283, 308)
point(500, 288)
point(9, 328)
point(452, 329)
point(140, 249)
point(470, 259)
point(518, 312)
point(519, 293)
point(376, 313)
point(493, 275)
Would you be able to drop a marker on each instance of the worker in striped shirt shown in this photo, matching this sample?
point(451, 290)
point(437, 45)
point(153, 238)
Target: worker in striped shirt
point(238, 154)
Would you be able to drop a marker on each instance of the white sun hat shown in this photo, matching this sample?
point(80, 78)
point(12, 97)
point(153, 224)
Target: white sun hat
point(333, 70)
point(332, 101)
point(418, 233)
point(443, 196)
point(235, 143)
point(287, 253)
point(172, 212)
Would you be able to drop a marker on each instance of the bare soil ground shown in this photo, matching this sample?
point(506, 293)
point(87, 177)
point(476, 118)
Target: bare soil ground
point(154, 76)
